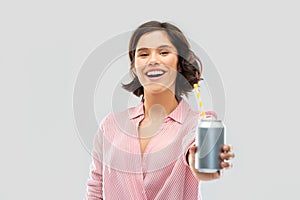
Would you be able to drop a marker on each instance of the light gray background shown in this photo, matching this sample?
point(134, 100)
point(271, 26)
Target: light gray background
point(254, 44)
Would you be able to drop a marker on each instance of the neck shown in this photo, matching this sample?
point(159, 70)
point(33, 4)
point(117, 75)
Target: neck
point(159, 105)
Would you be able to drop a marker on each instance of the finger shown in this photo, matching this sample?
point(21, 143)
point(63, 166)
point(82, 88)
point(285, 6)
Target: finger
point(215, 175)
point(226, 165)
point(208, 176)
point(227, 156)
point(191, 158)
point(227, 147)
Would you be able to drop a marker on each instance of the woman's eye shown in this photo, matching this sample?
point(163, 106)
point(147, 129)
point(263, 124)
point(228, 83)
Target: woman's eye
point(164, 53)
point(143, 54)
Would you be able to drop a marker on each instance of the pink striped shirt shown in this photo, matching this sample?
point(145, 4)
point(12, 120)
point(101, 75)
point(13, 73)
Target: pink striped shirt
point(120, 171)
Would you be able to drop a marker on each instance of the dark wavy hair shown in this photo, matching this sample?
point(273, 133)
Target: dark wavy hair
point(189, 65)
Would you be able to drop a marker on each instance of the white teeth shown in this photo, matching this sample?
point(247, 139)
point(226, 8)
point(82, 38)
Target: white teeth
point(153, 73)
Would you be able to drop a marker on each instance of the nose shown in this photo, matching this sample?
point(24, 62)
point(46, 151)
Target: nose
point(154, 59)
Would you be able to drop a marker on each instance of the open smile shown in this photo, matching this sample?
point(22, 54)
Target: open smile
point(155, 74)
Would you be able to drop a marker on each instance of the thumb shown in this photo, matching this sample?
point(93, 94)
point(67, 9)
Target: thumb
point(191, 158)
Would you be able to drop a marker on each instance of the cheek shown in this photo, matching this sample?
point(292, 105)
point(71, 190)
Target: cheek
point(172, 62)
point(139, 63)
point(137, 67)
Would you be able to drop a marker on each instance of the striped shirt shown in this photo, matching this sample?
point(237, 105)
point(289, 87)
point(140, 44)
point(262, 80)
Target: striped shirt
point(120, 171)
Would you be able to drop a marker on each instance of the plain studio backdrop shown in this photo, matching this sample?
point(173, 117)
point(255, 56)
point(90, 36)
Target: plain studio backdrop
point(44, 44)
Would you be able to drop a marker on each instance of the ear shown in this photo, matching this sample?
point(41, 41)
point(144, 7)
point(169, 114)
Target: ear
point(197, 75)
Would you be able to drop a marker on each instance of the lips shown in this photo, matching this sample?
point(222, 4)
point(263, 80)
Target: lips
point(154, 73)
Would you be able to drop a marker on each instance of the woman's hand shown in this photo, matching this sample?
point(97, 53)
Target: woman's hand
point(225, 155)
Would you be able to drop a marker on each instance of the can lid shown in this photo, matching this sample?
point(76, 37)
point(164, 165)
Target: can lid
point(211, 123)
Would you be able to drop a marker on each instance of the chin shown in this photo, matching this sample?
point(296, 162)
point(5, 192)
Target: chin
point(156, 89)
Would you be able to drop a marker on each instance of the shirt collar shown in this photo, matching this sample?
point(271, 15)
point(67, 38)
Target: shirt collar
point(178, 114)
point(136, 111)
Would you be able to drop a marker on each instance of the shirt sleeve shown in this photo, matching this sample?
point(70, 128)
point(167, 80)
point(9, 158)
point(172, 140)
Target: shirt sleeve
point(94, 184)
point(95, 181)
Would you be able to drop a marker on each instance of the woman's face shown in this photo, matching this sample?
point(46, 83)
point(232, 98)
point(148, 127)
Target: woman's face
point(156, 62)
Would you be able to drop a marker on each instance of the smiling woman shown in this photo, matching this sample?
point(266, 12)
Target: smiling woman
point(188, 64)
point(146, 152)
point(156, 62)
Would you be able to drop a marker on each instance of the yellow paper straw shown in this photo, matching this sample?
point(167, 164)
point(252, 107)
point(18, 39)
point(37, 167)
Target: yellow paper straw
point(197, 93)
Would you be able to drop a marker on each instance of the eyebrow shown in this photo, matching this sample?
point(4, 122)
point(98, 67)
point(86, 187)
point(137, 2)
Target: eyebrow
point(160, 47)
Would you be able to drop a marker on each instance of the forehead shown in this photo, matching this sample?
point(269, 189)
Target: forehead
point(154, 39)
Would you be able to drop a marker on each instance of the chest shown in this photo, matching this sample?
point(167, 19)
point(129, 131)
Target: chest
point(147, 130)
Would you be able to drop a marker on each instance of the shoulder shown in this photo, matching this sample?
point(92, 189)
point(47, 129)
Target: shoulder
point(115, 117)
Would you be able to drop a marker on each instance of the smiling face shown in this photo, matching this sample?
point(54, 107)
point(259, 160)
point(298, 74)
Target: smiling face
point(156, 62)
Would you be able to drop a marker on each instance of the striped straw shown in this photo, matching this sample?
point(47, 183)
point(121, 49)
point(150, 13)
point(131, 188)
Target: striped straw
point(199, 101)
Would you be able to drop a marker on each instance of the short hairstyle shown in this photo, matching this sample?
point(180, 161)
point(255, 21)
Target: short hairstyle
point(189, 66)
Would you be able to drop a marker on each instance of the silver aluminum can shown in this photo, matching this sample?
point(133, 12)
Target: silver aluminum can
point(210, 137)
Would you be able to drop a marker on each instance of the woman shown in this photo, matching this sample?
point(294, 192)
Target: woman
point(147, 151)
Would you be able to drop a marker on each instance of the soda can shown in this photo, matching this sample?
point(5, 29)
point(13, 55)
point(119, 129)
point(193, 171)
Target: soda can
point(210, 137)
